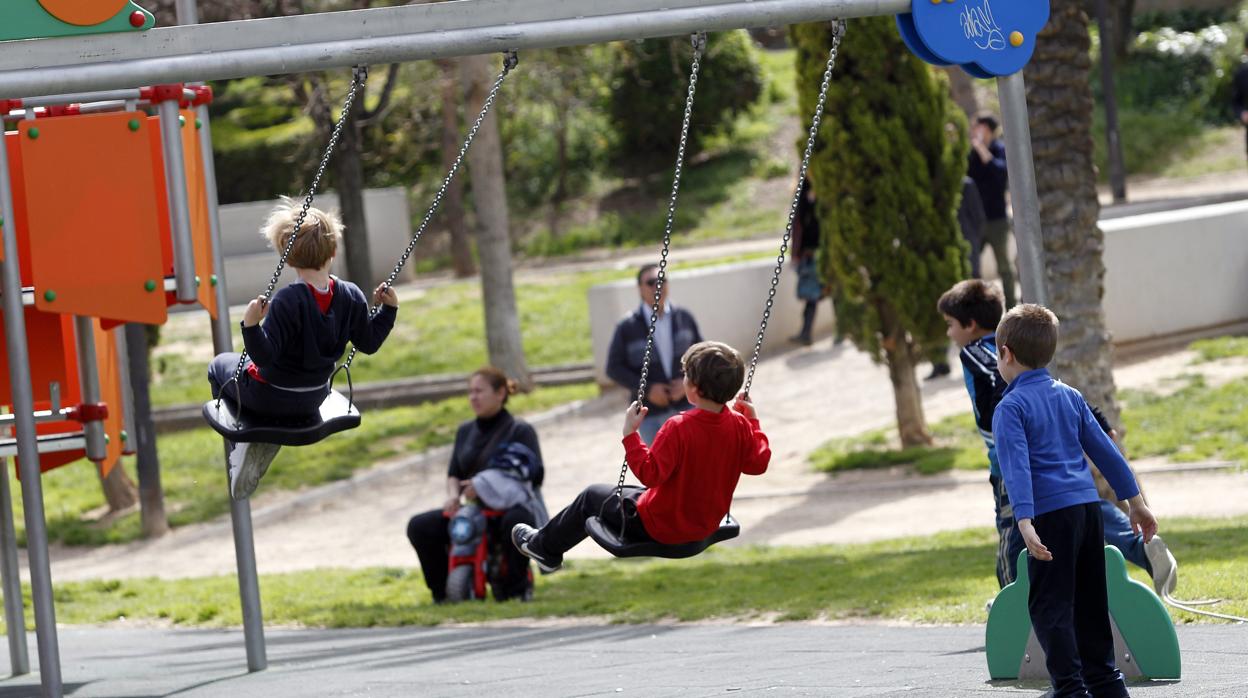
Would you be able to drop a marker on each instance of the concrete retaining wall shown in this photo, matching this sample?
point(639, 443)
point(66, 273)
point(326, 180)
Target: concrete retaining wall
point(1176, 272)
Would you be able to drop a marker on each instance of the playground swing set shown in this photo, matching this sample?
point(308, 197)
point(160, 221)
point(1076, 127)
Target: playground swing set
point(125, 160)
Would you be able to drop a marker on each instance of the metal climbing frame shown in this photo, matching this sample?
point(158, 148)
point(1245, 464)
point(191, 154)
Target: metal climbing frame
point(324, 41)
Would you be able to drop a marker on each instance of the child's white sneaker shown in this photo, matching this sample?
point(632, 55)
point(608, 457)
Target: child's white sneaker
point(248, 463)
point(1165, 567)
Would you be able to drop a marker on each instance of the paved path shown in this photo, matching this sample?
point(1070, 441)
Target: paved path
point(840, 661)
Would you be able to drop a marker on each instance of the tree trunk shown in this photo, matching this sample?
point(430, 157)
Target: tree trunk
point(119, 490)
point(462, 263)
point(151, 497)
point(899, 354)
point(485, 163)
point(1060, 102)
point(962, 90)
point(350, 186)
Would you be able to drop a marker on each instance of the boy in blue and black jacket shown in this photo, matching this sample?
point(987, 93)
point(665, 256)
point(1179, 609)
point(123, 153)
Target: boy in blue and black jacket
point(1043, 428)
point(972, 309)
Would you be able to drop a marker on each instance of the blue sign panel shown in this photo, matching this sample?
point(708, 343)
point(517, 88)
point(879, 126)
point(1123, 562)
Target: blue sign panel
point(988, 38)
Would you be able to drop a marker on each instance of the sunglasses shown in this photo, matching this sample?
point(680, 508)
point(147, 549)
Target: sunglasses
point(651, 282)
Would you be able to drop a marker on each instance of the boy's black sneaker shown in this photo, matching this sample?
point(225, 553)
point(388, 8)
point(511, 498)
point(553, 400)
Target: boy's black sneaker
point(521, 534)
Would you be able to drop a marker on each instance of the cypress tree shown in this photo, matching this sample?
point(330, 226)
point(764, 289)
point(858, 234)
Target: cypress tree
point(887, 171)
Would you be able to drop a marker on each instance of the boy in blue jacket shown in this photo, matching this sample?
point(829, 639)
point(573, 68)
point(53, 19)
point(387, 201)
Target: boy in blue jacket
point(1043, 428)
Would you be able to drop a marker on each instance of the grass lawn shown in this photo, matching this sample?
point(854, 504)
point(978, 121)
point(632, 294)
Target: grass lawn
point(957, 446)
point(944, 578)
point(192, 467)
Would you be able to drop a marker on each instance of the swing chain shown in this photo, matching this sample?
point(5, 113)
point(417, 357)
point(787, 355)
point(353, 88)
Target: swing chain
point(838, 32)
point(510, 60)
point(359, 78)
point(699, 45)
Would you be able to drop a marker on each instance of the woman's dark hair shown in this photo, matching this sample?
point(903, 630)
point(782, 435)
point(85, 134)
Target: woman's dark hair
point(497, 380)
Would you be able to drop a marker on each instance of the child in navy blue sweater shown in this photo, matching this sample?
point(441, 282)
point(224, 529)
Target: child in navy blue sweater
point(306, 328)
point(1043, 428)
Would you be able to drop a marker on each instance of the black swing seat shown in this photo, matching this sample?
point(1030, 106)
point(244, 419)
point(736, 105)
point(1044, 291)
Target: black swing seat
point(336, 414)
point(610, 541)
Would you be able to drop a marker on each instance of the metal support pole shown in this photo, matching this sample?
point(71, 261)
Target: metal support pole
point(14, 616)
point(223, 341)
point(179, 208)
point(1012, 93)
point(89, 377)
point(1113, 143)
point(27, 445)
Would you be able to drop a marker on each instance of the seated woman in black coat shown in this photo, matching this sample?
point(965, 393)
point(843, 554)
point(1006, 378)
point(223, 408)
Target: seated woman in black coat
point(476, 442)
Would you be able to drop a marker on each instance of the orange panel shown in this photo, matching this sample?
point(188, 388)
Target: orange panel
point(93, 234)
point(197, 196)
point(53, 358)
point(108, 358)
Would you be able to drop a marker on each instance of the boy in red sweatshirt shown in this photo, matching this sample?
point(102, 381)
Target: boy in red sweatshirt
point(689, 474)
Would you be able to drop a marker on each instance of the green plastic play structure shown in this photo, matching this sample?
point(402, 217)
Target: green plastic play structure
point(1145, 642)
point(33, 19)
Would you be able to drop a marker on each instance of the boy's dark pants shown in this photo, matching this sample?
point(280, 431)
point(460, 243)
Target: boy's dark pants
point(257, 397)
point(1069, 606)
point(567, 528)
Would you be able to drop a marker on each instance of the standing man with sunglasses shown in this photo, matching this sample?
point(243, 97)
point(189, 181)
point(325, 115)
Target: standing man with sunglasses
point(674, 332)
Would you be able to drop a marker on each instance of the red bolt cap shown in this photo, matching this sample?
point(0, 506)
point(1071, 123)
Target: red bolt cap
point(137, 19)
point(164, 93)
point(203, 95)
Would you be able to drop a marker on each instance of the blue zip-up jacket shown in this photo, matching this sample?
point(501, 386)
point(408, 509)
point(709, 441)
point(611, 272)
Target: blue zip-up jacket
point(1043, 427)
point(985, 386)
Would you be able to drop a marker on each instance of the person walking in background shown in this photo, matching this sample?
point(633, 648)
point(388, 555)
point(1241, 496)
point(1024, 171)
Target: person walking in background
point(986, 166)
point(971, 220)
point(810, 289)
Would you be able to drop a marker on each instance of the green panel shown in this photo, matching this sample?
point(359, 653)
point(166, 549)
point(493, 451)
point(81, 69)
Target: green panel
point(1143, 621)
point(1009, 626)
point(26, 19)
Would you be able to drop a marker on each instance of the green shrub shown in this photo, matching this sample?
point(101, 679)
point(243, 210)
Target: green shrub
point(648, 87)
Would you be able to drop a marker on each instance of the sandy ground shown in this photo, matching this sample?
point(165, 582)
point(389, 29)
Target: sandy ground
point(804, 396)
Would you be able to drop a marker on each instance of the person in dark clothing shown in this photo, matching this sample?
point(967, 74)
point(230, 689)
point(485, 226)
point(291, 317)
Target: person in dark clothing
point(810, 288)
point(674, 332)
point(986, 166)
point(1239, 89)
point(306, 328)
point(476, 442)
point(971, 220)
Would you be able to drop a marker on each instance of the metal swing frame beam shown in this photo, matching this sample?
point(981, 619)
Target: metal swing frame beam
point(305, 43)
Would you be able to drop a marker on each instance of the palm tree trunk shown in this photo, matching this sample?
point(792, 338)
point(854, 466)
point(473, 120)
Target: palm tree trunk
point(1059, 95)
point(485, 164)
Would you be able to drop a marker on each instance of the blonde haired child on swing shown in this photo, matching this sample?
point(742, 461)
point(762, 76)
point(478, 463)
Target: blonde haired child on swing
point(305, 329)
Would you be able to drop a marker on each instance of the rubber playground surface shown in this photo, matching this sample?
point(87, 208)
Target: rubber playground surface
point(583, 660)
